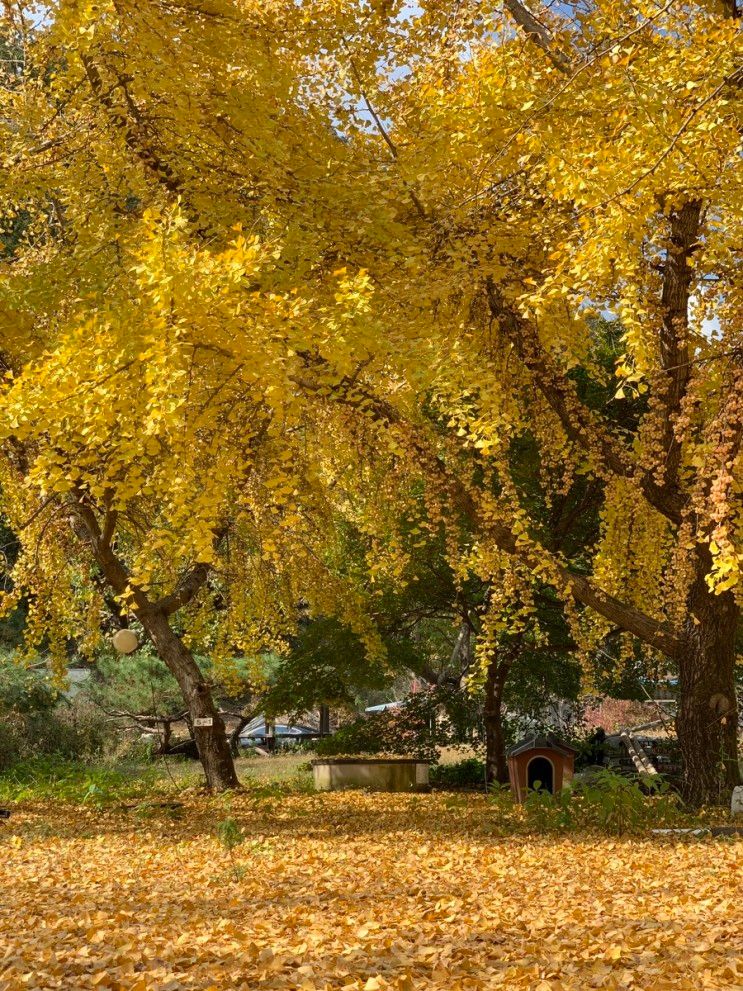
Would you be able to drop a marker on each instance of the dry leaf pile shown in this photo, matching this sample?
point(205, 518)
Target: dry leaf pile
point(356, 891)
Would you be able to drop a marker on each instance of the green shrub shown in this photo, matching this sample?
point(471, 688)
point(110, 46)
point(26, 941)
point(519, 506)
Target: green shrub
point(36, 721)
point(24, 690)
point(365, 735)
point(52, 777)
point(546, 812)
point(429, 720)
point(468, 773)
point(137, 749)
point(63, 734)
point(620, 805)
point(608, 802)
point(229, 834)
point(11, 744)
point(78, 731)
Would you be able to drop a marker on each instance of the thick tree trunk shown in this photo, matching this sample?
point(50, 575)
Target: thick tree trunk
point(496, 765)
point(213, 746)
point(707, 720)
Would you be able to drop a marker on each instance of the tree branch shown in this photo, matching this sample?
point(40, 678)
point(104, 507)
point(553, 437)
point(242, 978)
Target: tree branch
point(538, 33)
point(581, 425)
point(383, 132)
point(190, 584)
point(674, 338)
point(113, 568)
point(132, 126)
point(659, 635)
point(579, 422)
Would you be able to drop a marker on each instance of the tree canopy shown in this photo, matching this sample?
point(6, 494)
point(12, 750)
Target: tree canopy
point(269, 264)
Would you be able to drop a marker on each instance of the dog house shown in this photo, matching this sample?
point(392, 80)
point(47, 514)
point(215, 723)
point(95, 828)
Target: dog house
point(540, 761)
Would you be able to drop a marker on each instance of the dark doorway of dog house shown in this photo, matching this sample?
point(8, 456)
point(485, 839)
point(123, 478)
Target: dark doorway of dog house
point(540, 774)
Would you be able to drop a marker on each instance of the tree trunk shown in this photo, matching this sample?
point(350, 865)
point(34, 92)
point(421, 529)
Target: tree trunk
point(211, 739)
point(324, 720)
point(496, 766)
point(235, 734)
point(214, 749)
point(270, 734)
point(166, 736)
point(707, 719)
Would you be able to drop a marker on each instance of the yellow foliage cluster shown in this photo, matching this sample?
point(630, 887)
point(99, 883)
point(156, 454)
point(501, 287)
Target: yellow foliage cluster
point(255, 245)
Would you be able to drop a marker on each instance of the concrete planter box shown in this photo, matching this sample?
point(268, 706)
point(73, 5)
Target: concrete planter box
point(374, 773)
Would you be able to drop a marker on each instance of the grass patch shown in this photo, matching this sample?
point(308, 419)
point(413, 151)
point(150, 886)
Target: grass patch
point(76, 782)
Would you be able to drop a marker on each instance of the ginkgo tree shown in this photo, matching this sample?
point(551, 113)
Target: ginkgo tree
point(257, 245)
point(588, 162)
point(166, 472)
point(581, 164)
point(538, 177)
point(154, 441)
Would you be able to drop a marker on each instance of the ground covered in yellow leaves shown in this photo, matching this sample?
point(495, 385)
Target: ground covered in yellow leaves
point(356, 891)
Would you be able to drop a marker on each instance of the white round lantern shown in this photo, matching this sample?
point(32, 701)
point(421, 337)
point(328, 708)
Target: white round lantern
point(125, 641)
